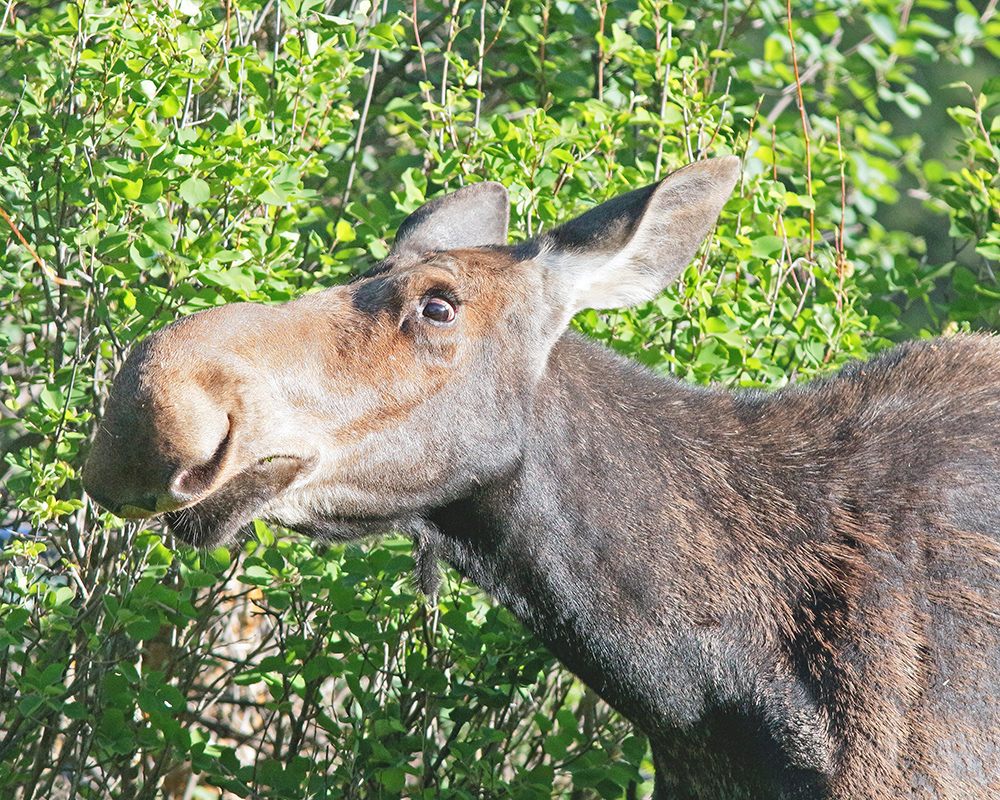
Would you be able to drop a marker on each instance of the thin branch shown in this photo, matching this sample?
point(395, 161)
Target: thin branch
point(44, 267)
point(805, 129)
point(664, 91)
point(479, 68)
point(602, 13)
point(361, 129)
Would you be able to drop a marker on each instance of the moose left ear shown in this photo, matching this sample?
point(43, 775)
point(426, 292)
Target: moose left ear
point(476, 215)
point(627, 250)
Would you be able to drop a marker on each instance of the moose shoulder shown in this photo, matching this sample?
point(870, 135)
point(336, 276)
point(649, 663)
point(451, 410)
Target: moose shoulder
point(795, 595)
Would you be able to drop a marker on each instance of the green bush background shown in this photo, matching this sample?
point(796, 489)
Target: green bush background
point(161, 156)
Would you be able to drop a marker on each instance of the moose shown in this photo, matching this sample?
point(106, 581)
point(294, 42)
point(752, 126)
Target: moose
point(793, 594)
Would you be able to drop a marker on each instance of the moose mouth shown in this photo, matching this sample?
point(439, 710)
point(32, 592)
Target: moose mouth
point(220, 517)
point(225, 515)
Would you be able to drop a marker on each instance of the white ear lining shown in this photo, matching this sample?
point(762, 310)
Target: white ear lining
point(603, 282)
point(596, 280)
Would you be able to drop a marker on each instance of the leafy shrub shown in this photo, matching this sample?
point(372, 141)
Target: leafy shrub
point(167, 155)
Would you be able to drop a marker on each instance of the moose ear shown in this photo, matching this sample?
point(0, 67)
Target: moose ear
point(476, 215)
point(627, 250)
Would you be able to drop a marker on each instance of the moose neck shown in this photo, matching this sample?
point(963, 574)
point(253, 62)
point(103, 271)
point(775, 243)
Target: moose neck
point(604, 548)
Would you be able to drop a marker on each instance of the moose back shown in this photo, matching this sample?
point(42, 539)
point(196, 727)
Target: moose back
point(794, 595)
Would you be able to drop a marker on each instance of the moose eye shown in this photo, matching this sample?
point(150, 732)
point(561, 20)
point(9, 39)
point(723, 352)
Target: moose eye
point(438, 309)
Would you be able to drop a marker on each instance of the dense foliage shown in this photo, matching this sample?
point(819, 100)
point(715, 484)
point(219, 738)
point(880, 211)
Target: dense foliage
point(161, 156)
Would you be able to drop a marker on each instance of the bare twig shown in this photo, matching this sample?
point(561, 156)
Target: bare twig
point(6, 13)
point(479, 68)
point(361, 127)
point(425, 88)
point(664, 91)
point(805, 129)
point(44, 267)
point(602, 14)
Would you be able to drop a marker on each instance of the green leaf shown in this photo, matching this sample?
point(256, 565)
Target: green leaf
point(883, 28)
point(273, 196)
point(152, 188)
point(767, 246)
point(197, 578)
point(130, 190)
point(263, 533)
point(774, 49)
point(194, 191)
point(113, 243)
point(13, 619)
point(383, 36)
point(170, 107)
point(991, 86)
point(218, 560)
point(145, 628)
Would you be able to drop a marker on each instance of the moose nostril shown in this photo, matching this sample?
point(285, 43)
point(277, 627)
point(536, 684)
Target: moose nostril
point(191, 482)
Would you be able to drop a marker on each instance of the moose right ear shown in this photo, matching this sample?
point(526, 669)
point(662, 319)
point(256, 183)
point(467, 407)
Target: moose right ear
point(476, 215)
point(627, 250)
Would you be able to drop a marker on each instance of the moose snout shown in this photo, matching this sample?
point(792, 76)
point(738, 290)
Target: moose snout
point(124, 491)
point(179, 421)
point(142, 465)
